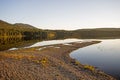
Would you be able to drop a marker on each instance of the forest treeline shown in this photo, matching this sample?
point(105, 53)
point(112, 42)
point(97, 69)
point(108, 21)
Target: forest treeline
point(25, 30)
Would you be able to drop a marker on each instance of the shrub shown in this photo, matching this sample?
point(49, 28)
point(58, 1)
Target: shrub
point(44, 61)
point(89, 67)
point(77, 62)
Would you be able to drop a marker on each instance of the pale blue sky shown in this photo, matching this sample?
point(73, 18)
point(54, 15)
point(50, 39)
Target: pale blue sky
point(62, 14)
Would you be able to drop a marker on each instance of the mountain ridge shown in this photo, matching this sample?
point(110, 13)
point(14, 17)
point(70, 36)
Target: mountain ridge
point(4, 24)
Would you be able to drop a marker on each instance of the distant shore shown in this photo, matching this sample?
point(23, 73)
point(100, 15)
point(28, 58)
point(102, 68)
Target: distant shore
point(48, 63)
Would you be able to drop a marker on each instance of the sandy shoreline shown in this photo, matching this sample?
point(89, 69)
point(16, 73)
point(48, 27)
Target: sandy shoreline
point(47, 63)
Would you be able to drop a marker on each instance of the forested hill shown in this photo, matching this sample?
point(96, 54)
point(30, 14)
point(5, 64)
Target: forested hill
point(18, 26)
point(97, 33)
point(100, 29)
point(4, 25)
point(22, 26)
point(22, 30)
point(26, 30)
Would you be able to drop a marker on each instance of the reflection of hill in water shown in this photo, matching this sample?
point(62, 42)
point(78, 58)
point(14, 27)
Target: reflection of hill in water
point(7, 43)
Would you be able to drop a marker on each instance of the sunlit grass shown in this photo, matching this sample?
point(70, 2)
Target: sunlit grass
point(89, 67)
point(77, 62)
point(16, 56)
point(43, 61)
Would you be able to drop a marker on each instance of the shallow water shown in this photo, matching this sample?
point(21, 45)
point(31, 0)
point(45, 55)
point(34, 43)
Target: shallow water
point(104, 55)
point(49, 42)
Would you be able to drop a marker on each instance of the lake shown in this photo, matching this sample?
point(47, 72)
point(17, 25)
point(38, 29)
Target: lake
point(105, 56)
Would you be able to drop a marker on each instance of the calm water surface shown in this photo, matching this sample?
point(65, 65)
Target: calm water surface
point(104, 55)
point(49, 42)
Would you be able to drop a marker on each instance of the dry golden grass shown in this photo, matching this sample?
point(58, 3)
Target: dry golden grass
point(16, 56)
point(43, 61)
point(89, 67)
point(77, 62)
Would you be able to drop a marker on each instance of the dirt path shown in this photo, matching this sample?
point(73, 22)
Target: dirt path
point(47, 63)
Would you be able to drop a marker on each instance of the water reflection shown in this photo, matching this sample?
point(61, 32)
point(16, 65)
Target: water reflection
point(15, 42)
point(50, 42)
point(7, 43)
point(105, 56)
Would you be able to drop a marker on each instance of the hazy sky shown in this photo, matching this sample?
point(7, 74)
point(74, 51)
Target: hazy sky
point(62, 14)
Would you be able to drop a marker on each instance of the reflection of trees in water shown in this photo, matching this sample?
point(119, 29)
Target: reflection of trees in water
point(6, 40)
point(12, 38)
point(10, 42)
point(10, 33)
